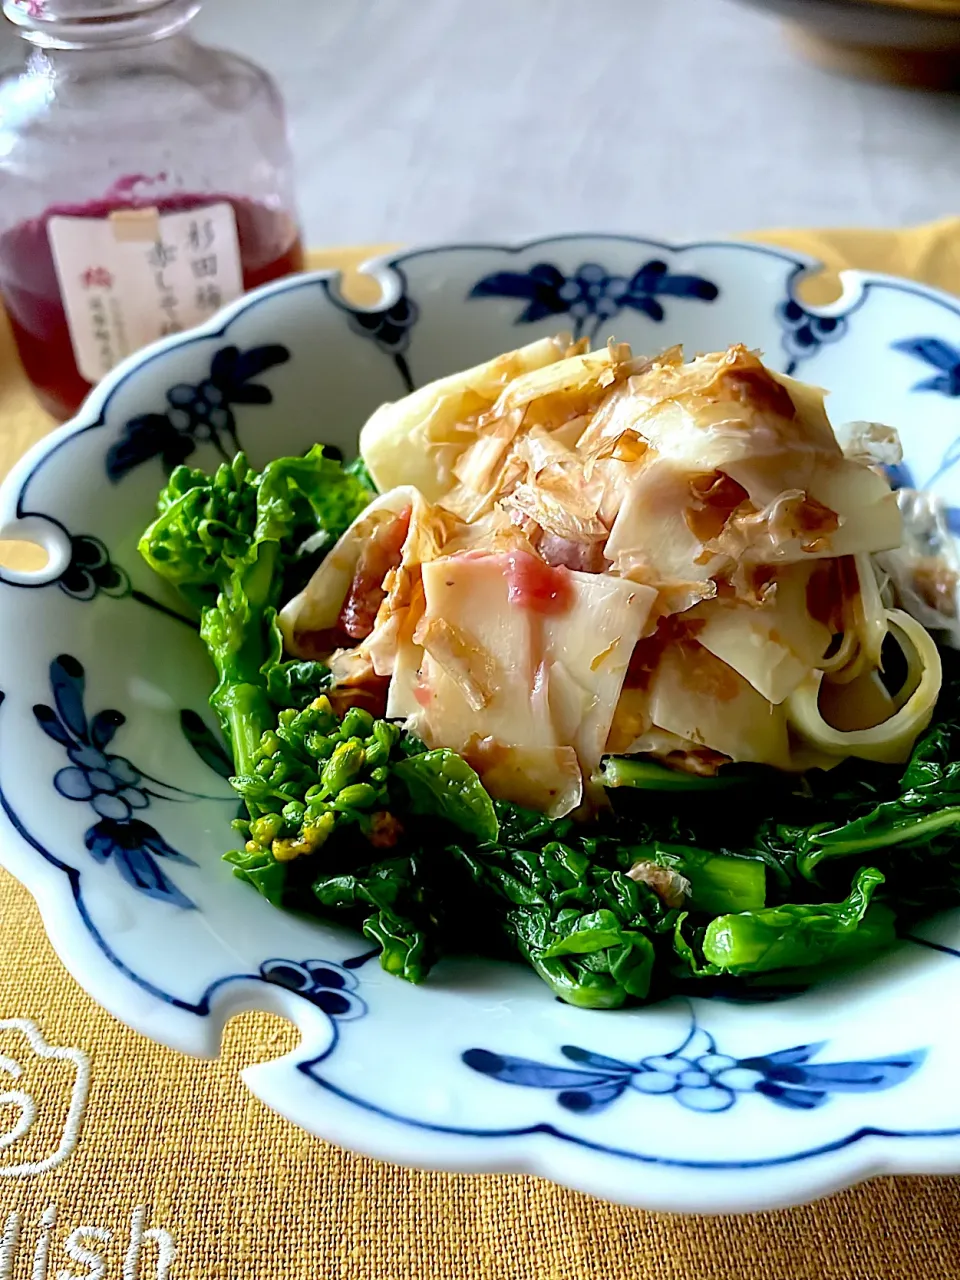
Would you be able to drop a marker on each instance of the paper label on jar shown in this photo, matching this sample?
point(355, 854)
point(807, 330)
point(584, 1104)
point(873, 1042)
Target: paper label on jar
point(139, 275)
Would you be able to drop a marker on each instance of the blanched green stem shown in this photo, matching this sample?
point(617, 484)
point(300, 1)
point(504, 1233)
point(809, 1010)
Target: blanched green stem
point(235, 635)
point(718, 882)
point(647, 775)
point(245, 713)
point(258, 581)
point(723, 884)
point(786, 938)
point(861, 838)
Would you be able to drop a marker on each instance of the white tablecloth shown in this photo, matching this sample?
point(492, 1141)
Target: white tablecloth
point(423, 119)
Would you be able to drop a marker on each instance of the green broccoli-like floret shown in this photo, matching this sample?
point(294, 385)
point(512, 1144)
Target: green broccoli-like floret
point(313, 775)
point(316, 779)
point(226, 543)
point(205, 524)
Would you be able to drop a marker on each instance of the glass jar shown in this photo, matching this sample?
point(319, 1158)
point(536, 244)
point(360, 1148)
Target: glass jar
point(145, 180)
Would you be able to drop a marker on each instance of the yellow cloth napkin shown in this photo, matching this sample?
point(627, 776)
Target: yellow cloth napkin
point(170, 1156)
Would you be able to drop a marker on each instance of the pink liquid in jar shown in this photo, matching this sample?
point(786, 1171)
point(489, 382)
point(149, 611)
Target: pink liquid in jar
point(269, 243)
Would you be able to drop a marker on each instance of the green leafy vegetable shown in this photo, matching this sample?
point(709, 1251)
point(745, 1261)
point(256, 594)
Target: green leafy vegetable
point(299, 497)
point(585, 927)
point(718, 883)
point(795, 934)
point(889, 824)
point(442, 783)
point(648, 775)
point(392, 908)
point(262, 870)
point(404, 948)
point(928, 806)
point(766, 874)
point(358, 469)
point(205, 523)
point(225, 542)
point(233, 631)
point(312, 775)
point(722, 884)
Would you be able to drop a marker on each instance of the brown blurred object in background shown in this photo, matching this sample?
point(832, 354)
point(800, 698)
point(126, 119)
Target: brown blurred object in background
point(906, 41)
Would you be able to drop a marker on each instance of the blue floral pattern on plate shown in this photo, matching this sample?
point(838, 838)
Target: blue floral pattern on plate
point(389, 329)
point(697, 1075)
point(113, 787)
point(91, 571)
point(331, 987)
point(939, 355)
point(592, 296)
point(945, 359)
point(804, 332)
point(198, 414)
point(205, 743)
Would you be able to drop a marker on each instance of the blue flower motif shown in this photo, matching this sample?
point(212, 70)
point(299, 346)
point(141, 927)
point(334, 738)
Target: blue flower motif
point(133, 847)
point(697, 1076)
point(938, 355)
point(113, 787)
point(198, 414)
point(899, 475)
point(329, 986)
point(91, 570)
point(389, 328)
point(592, 296)
point(946, 360)
point(108, 783)
point(805, 332)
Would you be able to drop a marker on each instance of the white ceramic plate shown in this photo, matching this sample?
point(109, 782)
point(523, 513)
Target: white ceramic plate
point(115, 810)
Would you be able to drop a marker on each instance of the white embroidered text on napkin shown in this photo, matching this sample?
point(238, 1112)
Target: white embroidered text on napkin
point(148, 1252)
point(43, 1094)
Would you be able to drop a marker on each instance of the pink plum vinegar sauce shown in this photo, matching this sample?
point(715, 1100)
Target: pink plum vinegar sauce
point(269, 247)
point(146, 181)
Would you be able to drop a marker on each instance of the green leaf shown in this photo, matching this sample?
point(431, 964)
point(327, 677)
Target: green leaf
point(443, 784)
point(297, 683)
point(380, 886)
point(625, 970)
point(404, 948)
point(262, 870)
point(689, 961)
point(594, 932)
point(389, 896)
point(293, 683)
point(358, 468)
point(626, 956)
point(297, 497)
point(892, 823)
point(723, 884)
